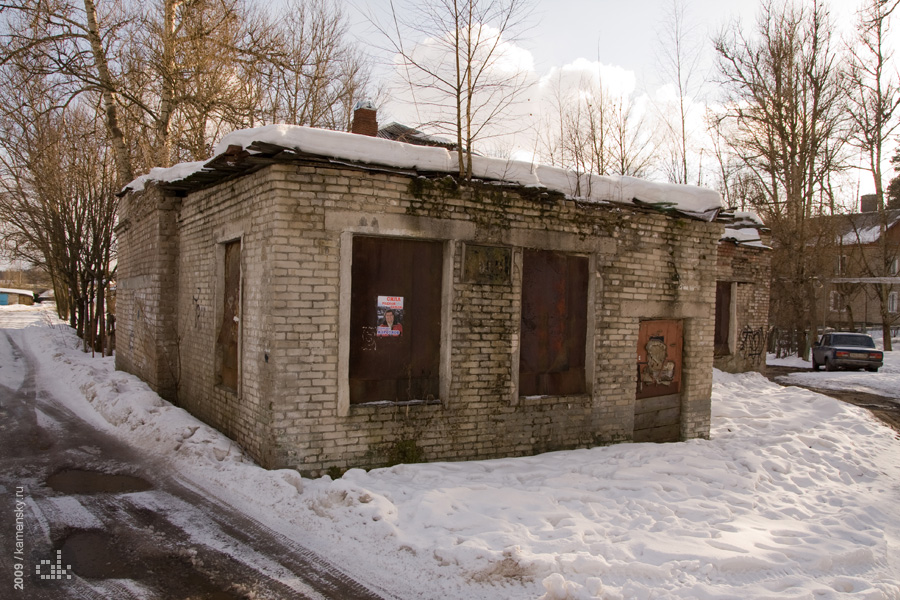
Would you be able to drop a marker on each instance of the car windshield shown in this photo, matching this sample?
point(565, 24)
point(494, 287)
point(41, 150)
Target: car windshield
point(858, 341)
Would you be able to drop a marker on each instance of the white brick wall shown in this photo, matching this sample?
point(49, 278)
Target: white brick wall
point(291, 219)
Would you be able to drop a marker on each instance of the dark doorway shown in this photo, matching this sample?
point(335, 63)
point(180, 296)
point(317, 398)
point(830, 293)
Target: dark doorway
point(228, 339)
point(723, 318)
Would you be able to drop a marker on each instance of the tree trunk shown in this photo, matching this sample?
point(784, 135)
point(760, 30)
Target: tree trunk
point(107, 92)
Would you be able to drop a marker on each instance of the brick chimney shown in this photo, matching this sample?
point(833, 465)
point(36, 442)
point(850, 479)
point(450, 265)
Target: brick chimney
point(868, 203)
point(365, 121)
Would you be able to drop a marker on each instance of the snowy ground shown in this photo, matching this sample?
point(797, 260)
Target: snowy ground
point(885, 383)
point(796, 496)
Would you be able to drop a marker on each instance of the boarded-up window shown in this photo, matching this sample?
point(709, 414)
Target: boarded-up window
point(723, 318)
point(395, 320)
point(554, 324)
point(229, 329)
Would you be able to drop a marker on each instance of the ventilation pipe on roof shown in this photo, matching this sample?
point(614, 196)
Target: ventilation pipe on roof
point(365, 121)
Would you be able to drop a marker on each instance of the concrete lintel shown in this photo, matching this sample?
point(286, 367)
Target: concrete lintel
point(449, 229)
point(399, 225)
point(559, 241)
point(664, 310)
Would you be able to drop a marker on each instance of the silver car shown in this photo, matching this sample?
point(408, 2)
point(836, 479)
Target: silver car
point(846, 351)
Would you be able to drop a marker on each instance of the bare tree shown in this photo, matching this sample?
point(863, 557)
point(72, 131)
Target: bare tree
point(94, 92)
point(592, 129)
point(455, 52)
point(173, 76)
point(315, 75)
point(786, 117)
point(679, 58)
point(57, 196)
point(632, 147)
point(873, 101)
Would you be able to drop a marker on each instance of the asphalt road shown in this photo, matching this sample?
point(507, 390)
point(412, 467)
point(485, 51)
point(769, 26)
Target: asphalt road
point(84, 516)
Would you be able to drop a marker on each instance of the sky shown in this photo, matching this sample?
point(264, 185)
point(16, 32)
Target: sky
point(613, 32)
point(618, 42)
point(794, 496)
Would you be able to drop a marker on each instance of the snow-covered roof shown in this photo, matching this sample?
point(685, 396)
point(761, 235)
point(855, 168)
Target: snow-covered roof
point(744, 230)
point(864, 228)
point(692, 201)
point(747, 236)
point(14, 291)
point(402, 133)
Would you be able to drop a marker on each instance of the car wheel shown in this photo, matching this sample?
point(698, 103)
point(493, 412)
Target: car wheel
point(829, 365)
point(872, 369)
point(816, 366)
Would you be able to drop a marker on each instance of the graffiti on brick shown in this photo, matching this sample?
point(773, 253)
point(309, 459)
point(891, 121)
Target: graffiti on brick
point(199, 310)
point(753, 342)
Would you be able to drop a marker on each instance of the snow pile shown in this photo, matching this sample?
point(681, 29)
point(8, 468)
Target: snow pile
point(166, 174)
point(795, 496)
point(692, 200)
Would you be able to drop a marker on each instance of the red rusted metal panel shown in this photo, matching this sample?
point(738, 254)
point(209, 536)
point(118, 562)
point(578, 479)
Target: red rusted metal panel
point(229, 329)
point(395, 319)
point(554, 324)
point(659, 358)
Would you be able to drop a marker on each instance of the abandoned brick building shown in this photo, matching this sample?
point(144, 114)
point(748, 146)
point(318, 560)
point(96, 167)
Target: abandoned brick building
point(742, 295)
point(331, 300)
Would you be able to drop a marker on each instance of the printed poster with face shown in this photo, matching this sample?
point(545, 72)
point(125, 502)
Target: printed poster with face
point(389, 316)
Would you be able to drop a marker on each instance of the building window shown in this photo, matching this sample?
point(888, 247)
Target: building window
point(893, 302)
point(554, 324)
point(395, 320)
point(894, 267)
point(836, 302)
point(228, 338)
point(841, 264)
point(724, 304)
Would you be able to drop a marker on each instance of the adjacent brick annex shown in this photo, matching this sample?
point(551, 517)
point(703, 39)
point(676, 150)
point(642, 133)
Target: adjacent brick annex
point(748, 269)
point(296, 221)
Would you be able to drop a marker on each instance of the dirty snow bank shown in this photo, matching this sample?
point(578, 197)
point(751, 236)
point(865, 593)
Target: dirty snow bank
point(795, 496)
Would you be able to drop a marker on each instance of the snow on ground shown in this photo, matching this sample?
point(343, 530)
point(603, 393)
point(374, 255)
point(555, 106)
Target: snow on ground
point(796, 496)
point(884, 383)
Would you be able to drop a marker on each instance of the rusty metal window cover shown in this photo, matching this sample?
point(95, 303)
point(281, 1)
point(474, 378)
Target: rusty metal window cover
point(554, 324)
point(395, 320)
point(227, 341)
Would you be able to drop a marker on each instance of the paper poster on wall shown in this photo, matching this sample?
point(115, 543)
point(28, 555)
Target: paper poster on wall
point(389, 316)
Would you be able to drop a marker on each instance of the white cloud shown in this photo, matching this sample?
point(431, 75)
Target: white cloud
point(583, 73)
